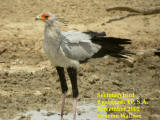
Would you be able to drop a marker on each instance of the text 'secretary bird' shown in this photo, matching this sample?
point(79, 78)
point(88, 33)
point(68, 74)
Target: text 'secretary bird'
point(69, 49)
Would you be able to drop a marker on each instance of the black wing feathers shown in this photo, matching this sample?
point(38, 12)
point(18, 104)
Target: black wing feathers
point(109, 45)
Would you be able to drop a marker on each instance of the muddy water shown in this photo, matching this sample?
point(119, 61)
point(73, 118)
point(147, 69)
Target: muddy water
point(89, 112)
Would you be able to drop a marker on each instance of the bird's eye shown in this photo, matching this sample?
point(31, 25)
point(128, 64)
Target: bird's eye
point(46, 16)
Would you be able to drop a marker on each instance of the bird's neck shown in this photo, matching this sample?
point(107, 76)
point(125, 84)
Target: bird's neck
point(52, 40)
point(52, 32)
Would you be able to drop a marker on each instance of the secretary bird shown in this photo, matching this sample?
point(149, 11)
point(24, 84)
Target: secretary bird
point(69, 49)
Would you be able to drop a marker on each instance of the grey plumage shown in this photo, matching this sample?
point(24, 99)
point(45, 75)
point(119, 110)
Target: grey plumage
point(66, 49)
point(78, 46)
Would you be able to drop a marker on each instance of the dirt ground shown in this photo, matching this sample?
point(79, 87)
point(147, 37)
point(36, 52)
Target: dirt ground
point(29, 82)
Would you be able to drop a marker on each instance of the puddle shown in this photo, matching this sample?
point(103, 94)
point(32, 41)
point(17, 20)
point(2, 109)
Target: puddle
point(89, 113)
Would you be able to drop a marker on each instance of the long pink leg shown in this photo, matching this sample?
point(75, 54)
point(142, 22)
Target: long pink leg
point(74, 108)
point(62, 106)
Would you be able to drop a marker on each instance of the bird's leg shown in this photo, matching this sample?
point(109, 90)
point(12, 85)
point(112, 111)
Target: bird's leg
point(72, 72)
point(74, 108)
point(64, 87)
point(62, 105)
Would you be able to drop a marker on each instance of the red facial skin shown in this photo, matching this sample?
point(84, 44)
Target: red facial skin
point(45, 16)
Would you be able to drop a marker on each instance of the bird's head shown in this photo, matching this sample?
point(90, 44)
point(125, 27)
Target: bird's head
point(46, 17)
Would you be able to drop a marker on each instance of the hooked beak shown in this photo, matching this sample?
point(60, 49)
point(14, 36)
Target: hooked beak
point(38, 18)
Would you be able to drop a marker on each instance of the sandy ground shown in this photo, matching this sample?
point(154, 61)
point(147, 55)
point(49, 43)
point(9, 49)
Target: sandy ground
point(29, 82)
